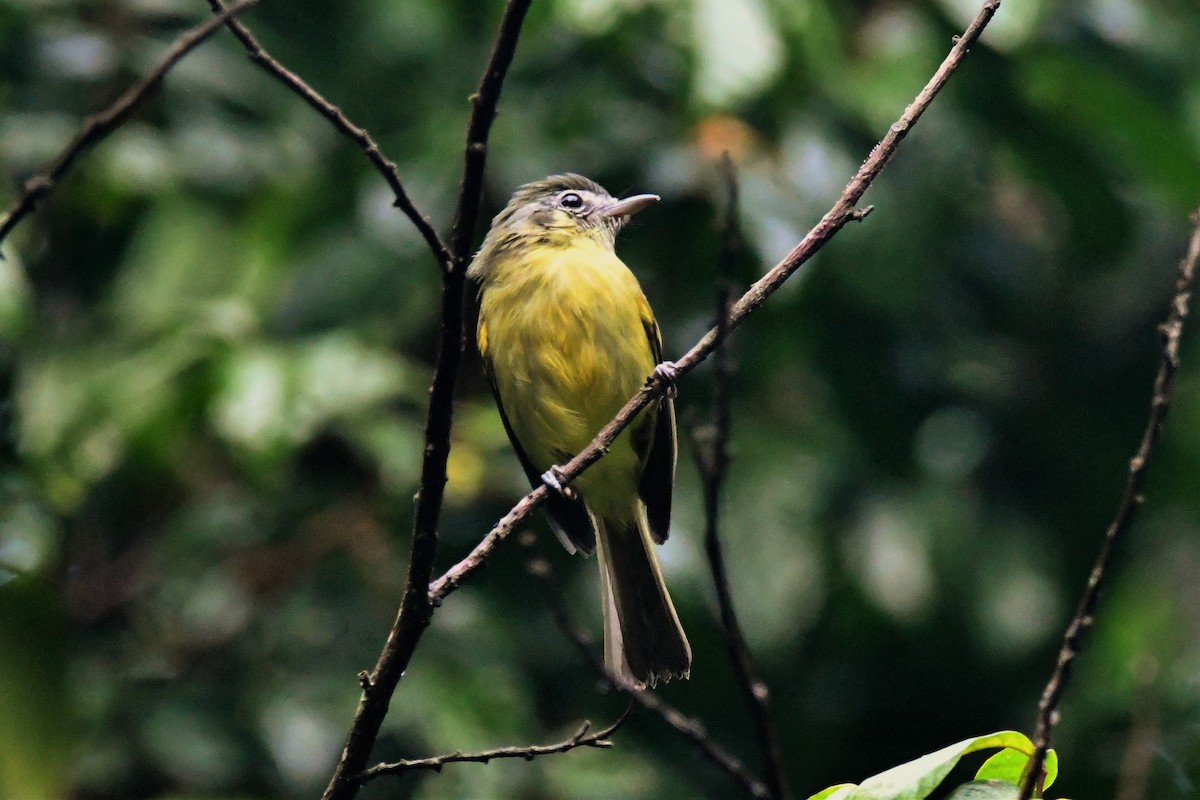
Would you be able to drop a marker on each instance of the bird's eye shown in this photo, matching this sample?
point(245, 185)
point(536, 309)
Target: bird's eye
point(571, 200)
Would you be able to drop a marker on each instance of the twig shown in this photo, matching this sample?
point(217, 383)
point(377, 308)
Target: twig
point(581, 738)
point(714, 464)
point(416, 610)
point(690, 728)
point(385, 166)
point(1131, 500)
point(842, 213)
point(98, 126)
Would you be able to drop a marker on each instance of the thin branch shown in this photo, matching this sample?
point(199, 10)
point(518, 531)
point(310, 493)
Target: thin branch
point(691, 729)
point(1131, 500)
point(714, 464)
point(842, 213)
point(98, 126)
point(385, 166)
point(416, 610)
point(582, 738)
point(470, 193)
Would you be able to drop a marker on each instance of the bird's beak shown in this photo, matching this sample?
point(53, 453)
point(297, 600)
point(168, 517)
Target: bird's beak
point(628, 207)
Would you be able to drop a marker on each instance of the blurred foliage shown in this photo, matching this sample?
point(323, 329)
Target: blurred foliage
point(216, 337)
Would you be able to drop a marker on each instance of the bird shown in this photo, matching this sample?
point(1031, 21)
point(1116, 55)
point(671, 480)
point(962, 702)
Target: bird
point(566, 337)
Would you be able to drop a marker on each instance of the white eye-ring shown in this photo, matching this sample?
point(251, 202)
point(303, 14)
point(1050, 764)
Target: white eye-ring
point(571, 201)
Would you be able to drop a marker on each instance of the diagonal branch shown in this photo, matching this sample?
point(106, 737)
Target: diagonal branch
point(689, 728)
point(484, 113)
point(385, 166)
point(582, 738)
point(714, 464)
point(1131, 501)
point(416, 610)
point(842, 213)
point(98, 126)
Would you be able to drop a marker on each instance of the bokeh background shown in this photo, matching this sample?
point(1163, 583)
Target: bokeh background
point(216, 339)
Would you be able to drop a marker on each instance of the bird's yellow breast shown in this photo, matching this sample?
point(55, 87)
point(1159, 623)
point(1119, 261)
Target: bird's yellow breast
point(565, 331)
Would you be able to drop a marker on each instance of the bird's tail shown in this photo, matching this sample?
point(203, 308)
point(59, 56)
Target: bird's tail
point(643, 640)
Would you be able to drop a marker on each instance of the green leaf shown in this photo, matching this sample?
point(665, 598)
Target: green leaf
point(833, 792)
point(917, 779)
point(1009, 765)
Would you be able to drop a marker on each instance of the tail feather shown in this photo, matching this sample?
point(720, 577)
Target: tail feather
point(643, 640)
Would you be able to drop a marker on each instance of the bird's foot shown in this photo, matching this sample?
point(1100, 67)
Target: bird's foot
point(554, 478)
point(668, 373)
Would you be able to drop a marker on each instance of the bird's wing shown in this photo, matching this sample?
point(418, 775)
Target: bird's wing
point(569, 519)
point(658, 451)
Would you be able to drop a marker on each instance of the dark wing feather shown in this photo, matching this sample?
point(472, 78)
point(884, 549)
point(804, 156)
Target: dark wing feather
point(659, 451)
point(568, 518)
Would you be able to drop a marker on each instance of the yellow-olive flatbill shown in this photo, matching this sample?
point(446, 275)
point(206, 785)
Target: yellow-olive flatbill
point(567, 337)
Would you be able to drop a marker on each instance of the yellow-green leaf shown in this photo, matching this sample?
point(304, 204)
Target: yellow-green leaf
point(1009, 765)
point(917, 779)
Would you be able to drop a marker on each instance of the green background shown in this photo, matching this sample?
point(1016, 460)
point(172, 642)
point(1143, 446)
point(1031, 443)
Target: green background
point(216, 339)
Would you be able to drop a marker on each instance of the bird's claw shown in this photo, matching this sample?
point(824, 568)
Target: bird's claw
point(554, 478)
point(668, 373)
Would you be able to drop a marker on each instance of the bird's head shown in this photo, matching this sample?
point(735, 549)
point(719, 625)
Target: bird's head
point(555, 211)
